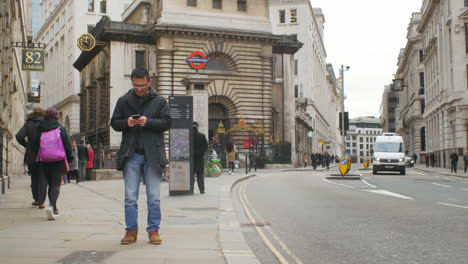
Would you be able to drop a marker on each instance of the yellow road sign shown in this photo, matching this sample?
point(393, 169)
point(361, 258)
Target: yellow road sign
point(366, 163)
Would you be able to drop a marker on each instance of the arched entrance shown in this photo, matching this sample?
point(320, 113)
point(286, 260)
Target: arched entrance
point(217, 113)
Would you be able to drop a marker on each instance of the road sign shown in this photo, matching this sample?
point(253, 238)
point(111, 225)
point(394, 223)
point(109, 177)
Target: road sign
point(366, 163)
point(197, 60)
point(344, 166)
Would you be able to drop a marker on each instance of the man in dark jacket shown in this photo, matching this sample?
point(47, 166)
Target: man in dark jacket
point(200, 146)
point(142, 115)
point(83, 156)
point(25, 137)
point(454, 159)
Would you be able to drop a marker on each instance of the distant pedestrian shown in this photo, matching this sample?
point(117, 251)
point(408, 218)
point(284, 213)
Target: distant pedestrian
point(25, 137)
point(426, 160)
point(327, 160)
point(305, 159)
point(252, 160)
point(54, 149)
point(73, 172)
point(313, 158)
point(432, 156)
point(415, 158)
point(83, 157)
point(454, 159)
point(231, 156)
point(90, 164)
point(465, 160)
point(200, 146)
point(142, 115)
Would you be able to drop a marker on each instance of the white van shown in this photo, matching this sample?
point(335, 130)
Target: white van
point(389, 154)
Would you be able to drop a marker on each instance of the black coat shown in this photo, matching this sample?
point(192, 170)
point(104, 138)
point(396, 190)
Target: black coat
point(83, 154)
point(154, 107)
point(26, 134)
point(200, 146)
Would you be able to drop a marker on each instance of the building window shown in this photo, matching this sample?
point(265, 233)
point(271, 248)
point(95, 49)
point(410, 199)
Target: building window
point(282, 16)
point(192, 3)
point(296, 91)
point(296, 66)
point(218, 4)
point(293, 13)
point(361, 139)
point(361, 153)
point(466, 76)
point(423, 138)
point(140, 61)
point(421, 80)
point(103, 6)
point(242, 5)
point(354, 138)
point(90, 5)
point(361, 146)
point(423, 106)
point(354, 144)
point(90, 28)
point(466, 34)
point(466, 3)
point(421, 55)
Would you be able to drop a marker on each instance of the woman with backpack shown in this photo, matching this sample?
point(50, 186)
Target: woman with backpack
point(54, 149)
point(231, 156)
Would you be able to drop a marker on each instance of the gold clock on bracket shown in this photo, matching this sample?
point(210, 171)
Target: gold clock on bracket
point(86, 42)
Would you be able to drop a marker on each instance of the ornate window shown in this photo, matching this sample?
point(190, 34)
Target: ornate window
point(218, 4)
point(242, 5)
point(192, 3)
point(219, 61)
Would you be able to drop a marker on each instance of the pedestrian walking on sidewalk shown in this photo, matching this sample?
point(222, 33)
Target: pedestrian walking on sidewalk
point(415, 158)
point(327, 160)
point(200, 146)
point(142, 115)
point(313, 157)
point(90, 164)
point(465, 160)
point(25, 137)
point(454, 159)
point(231, 156)
point(73, 172)
point(426, 160)
point(305, 159)
point(53, 145)
point(83, 157)
point(252, 159)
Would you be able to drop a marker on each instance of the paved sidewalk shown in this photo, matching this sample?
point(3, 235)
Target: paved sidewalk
point(194, 229)
point(442, 171)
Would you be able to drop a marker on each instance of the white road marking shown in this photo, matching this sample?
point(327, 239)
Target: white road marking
point(338, 183)
point(454, 205)
point(373, 186)
point(384, 192)
point(447, 186)
point(412, 171)
point(464, 189)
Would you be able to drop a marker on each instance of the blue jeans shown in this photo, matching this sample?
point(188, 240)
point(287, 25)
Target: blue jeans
point(134, 168)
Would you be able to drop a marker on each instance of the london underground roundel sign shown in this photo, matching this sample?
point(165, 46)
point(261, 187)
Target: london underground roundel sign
point(197, 60)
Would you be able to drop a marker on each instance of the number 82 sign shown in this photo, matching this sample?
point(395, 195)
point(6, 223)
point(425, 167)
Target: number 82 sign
point(33, 60)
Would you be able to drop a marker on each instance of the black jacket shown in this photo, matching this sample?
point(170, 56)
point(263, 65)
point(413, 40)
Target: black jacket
point(26, 135)
point(83, 154)
point(154, 107)
point(47, 125)
point(200, 146)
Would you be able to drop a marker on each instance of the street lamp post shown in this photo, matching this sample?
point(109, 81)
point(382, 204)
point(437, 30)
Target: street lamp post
point(343, 109)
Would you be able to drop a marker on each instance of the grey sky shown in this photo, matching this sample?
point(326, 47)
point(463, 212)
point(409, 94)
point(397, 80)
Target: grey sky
point(367, 35)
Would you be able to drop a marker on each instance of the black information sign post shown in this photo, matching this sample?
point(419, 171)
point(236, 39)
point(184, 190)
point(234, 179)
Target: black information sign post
point(180, 145)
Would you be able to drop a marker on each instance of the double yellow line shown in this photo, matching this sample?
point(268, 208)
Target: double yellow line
point(251, 215)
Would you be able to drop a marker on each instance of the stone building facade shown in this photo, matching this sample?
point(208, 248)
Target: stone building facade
point(235, 85)
point(411, 124)
point(361, 136)
point(316, 90)
point(389, 109)
point(441, 30)
point(14, 86)
point(63, 21)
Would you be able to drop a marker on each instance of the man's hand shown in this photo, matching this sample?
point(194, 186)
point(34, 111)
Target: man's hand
point(142, 121)
point(132, 122)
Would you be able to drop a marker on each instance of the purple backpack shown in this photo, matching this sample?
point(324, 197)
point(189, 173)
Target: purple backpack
point(51, 147)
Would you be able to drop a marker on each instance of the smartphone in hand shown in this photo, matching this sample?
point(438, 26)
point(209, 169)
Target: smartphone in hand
point(136, 116)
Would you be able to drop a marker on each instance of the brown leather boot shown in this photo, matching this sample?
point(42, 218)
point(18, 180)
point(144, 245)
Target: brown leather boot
point(130, 237)
point(154, 238)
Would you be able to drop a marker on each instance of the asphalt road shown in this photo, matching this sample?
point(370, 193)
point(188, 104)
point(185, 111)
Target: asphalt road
point(302, 217)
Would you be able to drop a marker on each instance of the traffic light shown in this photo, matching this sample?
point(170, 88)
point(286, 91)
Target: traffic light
point(293, 15)
point(346, 121)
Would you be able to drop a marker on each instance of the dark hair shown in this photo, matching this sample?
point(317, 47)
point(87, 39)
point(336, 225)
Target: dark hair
point(229, 147)
point(50, 114)
point(140, 73)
